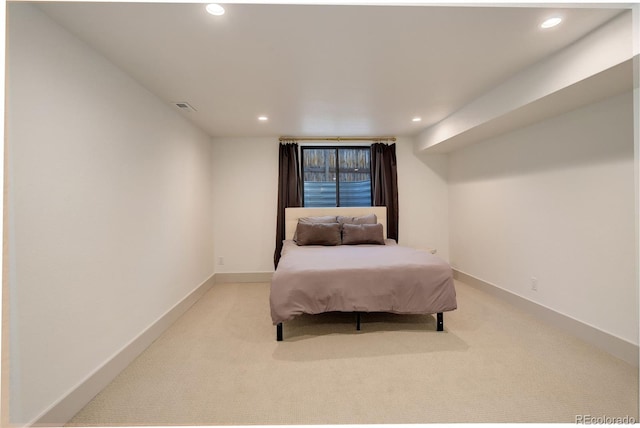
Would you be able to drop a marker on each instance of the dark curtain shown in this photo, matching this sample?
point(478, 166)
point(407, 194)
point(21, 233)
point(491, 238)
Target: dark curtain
point(289, 190)
point(384, 183)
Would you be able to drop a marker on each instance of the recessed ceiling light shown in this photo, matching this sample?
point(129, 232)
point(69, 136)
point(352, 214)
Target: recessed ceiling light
point(416, 119)
point(263, 118)
point(551, 22)
point(215, 9)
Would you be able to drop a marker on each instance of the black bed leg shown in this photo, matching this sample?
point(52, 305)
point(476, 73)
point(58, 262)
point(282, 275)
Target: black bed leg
point(279, 332)
point(440, 321)
point(358, 321)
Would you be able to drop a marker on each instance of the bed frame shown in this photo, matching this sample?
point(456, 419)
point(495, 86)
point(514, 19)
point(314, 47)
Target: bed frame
point(291, 222)
point(439, 325)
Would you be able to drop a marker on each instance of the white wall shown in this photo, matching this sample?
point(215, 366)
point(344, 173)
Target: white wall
point(110, 210)
point(246, 192)
point(422, 193)
point(245, 185)
point(554, 201)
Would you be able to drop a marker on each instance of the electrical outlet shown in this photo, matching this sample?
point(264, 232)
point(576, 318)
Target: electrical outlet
point(220, 261)
point(534, 283)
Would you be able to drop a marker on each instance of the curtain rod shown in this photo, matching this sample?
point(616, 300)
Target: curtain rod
point(338, 138)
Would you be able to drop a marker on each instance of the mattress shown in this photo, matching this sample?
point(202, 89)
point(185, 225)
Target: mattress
point(359, 278)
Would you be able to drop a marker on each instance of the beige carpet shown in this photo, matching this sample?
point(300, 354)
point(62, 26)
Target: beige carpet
point(220, 365)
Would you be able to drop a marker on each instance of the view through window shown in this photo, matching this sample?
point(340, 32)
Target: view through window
point(336, 176)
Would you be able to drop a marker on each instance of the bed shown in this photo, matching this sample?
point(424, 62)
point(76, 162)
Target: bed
point(358, 278)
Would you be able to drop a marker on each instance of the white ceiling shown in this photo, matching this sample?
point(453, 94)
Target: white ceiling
point(321, 69)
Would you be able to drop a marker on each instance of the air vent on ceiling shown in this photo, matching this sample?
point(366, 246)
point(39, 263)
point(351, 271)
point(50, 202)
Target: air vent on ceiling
point(185, 106)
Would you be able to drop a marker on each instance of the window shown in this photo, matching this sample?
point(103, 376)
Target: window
point(336, 176)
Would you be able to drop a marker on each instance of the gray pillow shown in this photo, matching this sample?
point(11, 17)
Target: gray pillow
point(312, 220)
point(318, 234)
point(353, 234)
point(365, 219)
point(319, 219)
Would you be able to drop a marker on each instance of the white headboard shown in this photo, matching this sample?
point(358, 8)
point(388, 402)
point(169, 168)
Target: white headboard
point(291, 216)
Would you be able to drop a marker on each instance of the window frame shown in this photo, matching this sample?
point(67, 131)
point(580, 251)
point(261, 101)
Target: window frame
point(337, 172)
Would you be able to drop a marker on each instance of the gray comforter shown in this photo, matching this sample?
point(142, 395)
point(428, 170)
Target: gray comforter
point(359, 278)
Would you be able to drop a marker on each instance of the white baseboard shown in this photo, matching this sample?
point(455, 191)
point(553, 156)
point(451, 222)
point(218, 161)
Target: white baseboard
point(616, 346)
point(231, 277)
point(71, 403)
